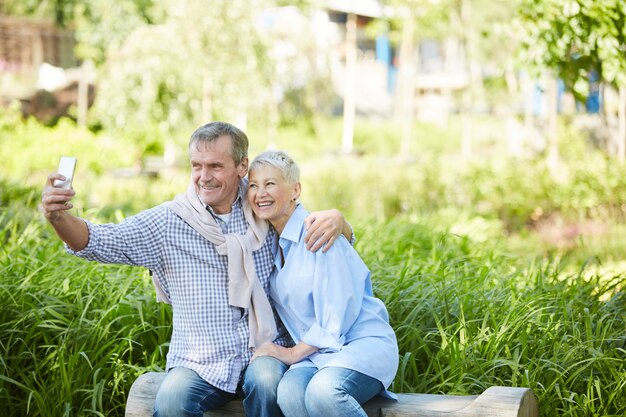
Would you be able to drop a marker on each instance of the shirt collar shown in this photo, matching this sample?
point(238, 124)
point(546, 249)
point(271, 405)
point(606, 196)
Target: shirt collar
point(295, 225)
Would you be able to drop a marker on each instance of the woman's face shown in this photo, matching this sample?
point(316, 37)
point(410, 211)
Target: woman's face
point(271, 197)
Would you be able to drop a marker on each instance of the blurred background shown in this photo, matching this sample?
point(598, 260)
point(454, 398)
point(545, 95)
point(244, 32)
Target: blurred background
point(477, 146)
point(512, 111)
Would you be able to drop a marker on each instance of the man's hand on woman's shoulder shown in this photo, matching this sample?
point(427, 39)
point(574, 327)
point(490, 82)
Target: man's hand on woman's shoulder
point(323, 228)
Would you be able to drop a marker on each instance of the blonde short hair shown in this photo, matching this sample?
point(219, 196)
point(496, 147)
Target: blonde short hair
point(280, 160)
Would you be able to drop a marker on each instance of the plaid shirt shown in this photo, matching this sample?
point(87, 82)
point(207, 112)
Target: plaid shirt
point(209, 335)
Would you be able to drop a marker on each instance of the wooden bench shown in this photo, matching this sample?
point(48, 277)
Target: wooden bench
point(494, 402)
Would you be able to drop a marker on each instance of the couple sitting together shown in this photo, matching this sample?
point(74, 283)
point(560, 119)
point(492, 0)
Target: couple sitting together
point(227, 255)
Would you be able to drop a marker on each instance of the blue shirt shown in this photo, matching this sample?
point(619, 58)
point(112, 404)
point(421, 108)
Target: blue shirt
point(209, 335)
point(325, 299)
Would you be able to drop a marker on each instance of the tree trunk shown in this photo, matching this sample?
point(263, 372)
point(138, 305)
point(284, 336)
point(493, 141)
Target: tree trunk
point(348, 96)
point(451, 65)
point(514, 138)
point(207, 101)
point(552, 129)
point(82, 100)
point(169, 152)
point(406, 84)
point(466, 126)
point(241, 118)
point(273, 121)
point(470, 94)
point(529, 120)
point(621, 133)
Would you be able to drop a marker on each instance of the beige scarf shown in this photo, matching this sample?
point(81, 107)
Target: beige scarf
point(244, 288)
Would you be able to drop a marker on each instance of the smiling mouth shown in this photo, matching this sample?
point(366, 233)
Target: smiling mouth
point(264, 204)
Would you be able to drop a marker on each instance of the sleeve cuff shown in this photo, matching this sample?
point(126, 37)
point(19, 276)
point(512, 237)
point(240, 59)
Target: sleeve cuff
point(319, 337)
point(87, 250)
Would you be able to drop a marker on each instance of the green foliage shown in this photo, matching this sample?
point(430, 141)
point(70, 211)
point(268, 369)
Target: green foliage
point(468, 316)
point(177, 65)
point(516, 191)
point(431, 17)
point(98, 25)
point(11, 192)
point(196, 65)
point(74, 335)
point(375, 187)
point(575, 37)
point(447, 241)
point(104, 26)
point(32, 150)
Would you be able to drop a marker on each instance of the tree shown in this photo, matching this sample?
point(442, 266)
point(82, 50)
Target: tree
point(201, 63)
point(102, 26)
point(576, 38)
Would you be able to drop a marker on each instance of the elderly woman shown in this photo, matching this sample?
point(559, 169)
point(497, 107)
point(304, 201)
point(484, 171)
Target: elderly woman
point(346, 351)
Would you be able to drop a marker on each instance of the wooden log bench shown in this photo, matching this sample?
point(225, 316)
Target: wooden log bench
point(494, 402)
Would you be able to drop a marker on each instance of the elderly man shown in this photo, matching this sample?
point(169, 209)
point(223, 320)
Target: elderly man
point(209, 258)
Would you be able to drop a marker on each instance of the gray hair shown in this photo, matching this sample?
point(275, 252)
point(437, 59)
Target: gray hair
point(280, 160)
point(210, 132)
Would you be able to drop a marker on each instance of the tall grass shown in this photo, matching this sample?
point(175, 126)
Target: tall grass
point(468, 316)
point(73, 335)
point(447, 241)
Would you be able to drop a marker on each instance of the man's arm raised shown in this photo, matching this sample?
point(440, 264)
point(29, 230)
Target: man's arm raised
point(55, 203)
point(323, 227)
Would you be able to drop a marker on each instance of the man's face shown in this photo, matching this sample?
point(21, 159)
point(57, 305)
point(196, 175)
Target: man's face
point(214, 173)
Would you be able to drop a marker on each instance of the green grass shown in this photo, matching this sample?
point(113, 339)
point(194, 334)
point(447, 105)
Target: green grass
point(468, 316)
point(479, 291)
point(73, 335)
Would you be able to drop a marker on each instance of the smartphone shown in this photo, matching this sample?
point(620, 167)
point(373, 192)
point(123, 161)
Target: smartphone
point(67, 165)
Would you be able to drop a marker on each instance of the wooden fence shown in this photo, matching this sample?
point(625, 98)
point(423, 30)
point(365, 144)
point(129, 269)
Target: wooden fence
point(25, 44)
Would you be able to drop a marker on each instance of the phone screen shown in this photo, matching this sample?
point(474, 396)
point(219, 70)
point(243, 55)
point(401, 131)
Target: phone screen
point(67, 165)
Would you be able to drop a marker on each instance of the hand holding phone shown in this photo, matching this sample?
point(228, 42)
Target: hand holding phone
point(67, 165)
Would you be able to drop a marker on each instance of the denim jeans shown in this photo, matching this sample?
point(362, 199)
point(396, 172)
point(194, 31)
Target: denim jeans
point(184, 394)
point(260, 383)
point(331, 391)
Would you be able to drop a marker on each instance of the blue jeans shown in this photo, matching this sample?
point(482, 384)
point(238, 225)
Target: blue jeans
point(260, 384)
point(331, 391)
point(184, 394)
